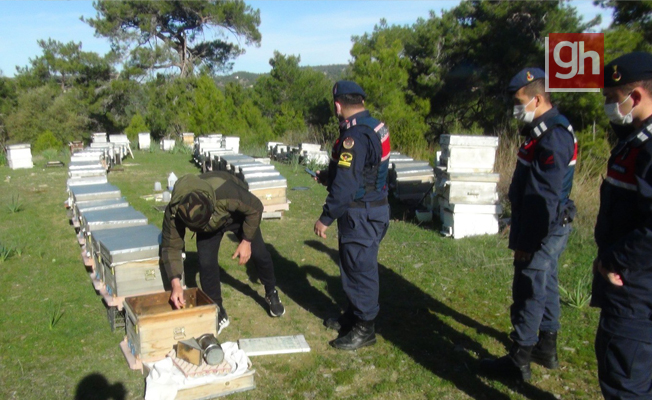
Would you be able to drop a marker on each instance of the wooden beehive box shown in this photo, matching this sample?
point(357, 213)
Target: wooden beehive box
point(154, 327)
point(129, 258)
point(269, 189)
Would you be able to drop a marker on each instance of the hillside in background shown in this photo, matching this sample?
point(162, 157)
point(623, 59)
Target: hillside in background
point(332, 72)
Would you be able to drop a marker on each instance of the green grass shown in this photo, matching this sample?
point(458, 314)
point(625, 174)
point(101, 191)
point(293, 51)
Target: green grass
point(444, 303)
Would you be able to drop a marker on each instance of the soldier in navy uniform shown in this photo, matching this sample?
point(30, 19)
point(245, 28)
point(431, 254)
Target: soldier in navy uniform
point(541, 216)
point(357, 198)
point(622, 283)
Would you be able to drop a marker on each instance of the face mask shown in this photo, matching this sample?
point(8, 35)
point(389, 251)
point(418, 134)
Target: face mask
point(613, 113)
point(524, 116)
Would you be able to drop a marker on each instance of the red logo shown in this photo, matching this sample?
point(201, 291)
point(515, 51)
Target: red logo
point(574, 62)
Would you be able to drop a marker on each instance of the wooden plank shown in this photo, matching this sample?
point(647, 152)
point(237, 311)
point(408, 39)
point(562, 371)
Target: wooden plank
point(218, 389)
point(132, 361)
point(277, 207)
point(274, 345)
point(88, 262)
point(97, 284)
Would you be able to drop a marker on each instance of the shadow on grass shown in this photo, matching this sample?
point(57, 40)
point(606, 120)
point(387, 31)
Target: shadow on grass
point(191, 269)
point(97, 387)
point(412, 320)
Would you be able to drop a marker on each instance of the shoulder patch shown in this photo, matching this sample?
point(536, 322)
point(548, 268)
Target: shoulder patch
point(348, 143)
point(345, 160)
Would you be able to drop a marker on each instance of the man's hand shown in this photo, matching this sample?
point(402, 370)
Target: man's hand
point(177, 293)
point(613, 277)
point(243, 251)
point(320, 229)
point(321, 177)
point(522, 256)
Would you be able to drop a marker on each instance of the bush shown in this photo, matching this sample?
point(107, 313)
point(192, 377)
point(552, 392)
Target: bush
point(45, 141)
point(136, 126)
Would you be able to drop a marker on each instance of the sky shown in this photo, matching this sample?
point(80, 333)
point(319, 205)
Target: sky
point(319, 31)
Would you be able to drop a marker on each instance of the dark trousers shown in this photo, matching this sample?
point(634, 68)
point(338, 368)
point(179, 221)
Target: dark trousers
point(360, 231)
point(624, 367)
point(535, 290)
point(208, 247)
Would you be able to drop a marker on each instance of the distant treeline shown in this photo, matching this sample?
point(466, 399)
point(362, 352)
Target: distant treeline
point(446, 73)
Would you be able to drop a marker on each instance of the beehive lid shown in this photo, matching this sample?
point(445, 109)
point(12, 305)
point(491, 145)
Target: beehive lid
point(102, 205)
point(97, 192)
point(112, 218)
point(130, 243)
point(264, 182)
point(19, 146)
point(466, 176)
point(468, 140)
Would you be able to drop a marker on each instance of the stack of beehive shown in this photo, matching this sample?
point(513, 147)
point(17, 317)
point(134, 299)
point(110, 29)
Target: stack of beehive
point(231, 143)
point(118, 246)
point(121, 146)
point(312, 153)
point(409, 179)
point(188, 139)
point(466, 186)
point(19, 156)
point(144, 140)
point(262, 179)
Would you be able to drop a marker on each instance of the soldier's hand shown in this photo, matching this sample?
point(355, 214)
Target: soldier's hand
point(320, 229)
point(522, 256)
point(321, 177)
point(176, 297)
point(612, 276)
point(243, 251)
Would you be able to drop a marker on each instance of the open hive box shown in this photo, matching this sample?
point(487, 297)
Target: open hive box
point(154, 326)
point(128, 259)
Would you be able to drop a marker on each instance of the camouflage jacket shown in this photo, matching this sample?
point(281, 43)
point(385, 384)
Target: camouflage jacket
point(232, 202)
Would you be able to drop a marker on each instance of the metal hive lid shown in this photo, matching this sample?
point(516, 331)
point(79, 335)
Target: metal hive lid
point(144, 239)
point(92, 189)
point(267, 182)
point(102, 205)
point(114, 216)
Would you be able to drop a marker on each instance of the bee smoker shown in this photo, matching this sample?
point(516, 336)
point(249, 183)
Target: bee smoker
point(211, 349)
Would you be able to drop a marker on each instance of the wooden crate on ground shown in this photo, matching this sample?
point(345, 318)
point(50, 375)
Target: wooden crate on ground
point(154, 327)
point(240, 383)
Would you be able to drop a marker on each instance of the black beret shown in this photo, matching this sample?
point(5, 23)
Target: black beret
point(347, 87)
point(628, 68)
point(524, 78)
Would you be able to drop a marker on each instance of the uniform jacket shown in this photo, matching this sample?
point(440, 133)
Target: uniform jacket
point(623, 233)
point(542, 181)
point(357, 149)
point(231, 202)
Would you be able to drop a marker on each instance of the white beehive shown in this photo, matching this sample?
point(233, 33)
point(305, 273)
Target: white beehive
point(19, 156)
point(462, 220)
point(468, 153)
point(144, 140)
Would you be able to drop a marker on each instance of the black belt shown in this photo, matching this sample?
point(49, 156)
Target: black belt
point(363, 204)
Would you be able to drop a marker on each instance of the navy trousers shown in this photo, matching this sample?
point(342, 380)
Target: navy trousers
point(208, 247)
point(624, 367)
point(535, 290)
point(360, 231)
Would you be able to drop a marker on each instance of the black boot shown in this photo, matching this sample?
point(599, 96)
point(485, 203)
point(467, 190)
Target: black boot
point(515, 365)
point(545, 351)
point(342, 324)
point(362, 334)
